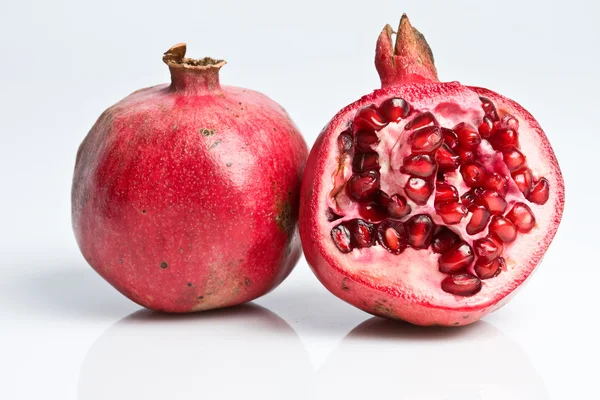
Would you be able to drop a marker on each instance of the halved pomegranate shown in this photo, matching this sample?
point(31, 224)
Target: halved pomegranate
point(426, 201)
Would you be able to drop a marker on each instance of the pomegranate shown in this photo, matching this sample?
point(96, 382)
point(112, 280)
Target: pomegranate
point(460, 198)
point(185, 195)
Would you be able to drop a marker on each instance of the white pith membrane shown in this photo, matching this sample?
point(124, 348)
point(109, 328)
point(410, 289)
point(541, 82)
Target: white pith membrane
point(414, 273)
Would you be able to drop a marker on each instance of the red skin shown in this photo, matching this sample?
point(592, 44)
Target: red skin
point(179, 217)
point(412, 83)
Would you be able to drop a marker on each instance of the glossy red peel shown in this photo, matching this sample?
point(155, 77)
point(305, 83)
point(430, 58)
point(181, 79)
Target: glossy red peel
point(185, 196)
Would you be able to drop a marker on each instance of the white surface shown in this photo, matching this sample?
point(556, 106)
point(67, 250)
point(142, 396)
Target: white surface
point(66, 334)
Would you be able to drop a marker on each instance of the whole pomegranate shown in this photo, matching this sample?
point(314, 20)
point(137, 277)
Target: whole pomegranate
point(185, 196)
point(425, 201)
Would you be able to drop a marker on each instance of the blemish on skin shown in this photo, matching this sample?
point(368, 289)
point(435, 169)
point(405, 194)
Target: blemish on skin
point(207, 132)
point(200, 297)
point(465, 316)
point(457, 323)
point(247, 281)
point(164, 265)
point(344, 287)
point(175, 127)
point(189, 284)
point(240, 103)
point(284, 216)
point(275, 129)
point(181, 250)
point(143, 211)
point(228, 164)
point(120, 261)
point(215, 144)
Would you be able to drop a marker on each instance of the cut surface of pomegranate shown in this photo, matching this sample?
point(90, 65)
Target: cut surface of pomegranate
point(478, 194)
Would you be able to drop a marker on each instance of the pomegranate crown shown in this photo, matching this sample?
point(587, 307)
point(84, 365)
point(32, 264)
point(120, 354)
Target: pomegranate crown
point(191, 75)
point(409, 59)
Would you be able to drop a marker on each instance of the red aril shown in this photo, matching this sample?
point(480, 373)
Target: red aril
point(443, 240)
point(459, 257)
point(479, 189)
point(468, 137)
point(392, 236)
point(445, 193)
point(185, 196)
point(489, 269)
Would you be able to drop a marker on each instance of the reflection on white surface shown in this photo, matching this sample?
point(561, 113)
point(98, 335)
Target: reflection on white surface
point(394, 360)
point(246, 352)
point(249, 352)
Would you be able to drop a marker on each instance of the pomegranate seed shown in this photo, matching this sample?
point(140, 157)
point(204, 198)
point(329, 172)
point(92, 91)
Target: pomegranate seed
point(468, 137)
point(363, 186)
point(345, 142)
point(364, 162)
point(465, 155)
point(522, 217)
point(362, 234)
point(418, 190)
point(513, 159)
point(480, 217)
point(366, 141)
point(504, 138)
point(397, 206)
point(371, 212)
point(490, 269)
point(450, 137)
point(422, 119)
point(485, 250)
point(499, 243)
point(468, 199)
point(485, 129)
point(391, 235)
point(489, 108)
point(447, 159)
point(523, 180)
point(443, 239)
point(508, 122)
point(503, 229)
point(540, 192)
point(473, 174)
point(451, 213)
point(461, 285)
point(421, 165)
point(394, 109)
point(458, 257)
point(420, 231)
point(368, 118)
point(341, 238)
point(492, 200)
point(497, 182)
point(444, 193)
point(426, 140)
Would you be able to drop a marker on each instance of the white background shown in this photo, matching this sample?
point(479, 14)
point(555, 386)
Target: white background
point(66, 334)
